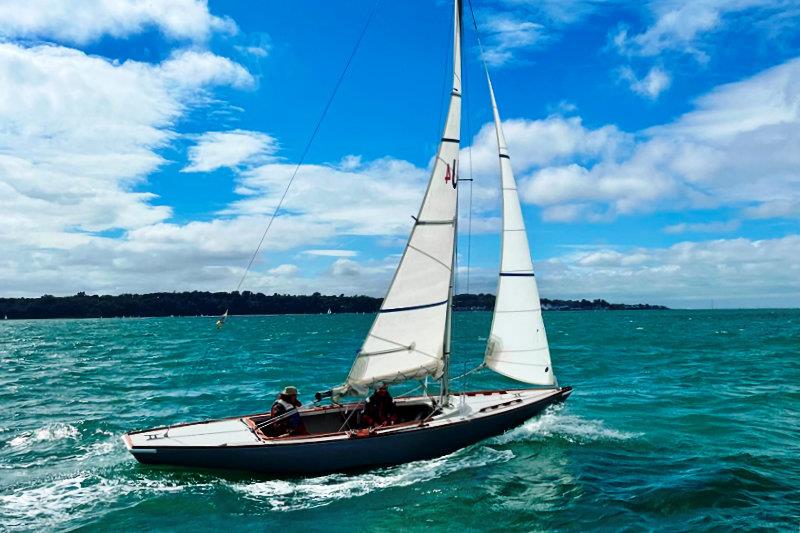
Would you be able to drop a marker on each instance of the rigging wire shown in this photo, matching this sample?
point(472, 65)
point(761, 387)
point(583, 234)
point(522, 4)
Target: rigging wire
point(468, 99)
point(423, 386)
point(310, 141)
point(448, 48)
point(478, 38)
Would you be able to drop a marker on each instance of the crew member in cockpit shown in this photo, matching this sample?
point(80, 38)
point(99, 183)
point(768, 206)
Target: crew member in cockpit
point(379, 409)
point(287, 404)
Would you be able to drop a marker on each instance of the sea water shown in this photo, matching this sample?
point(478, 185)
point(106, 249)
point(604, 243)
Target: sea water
point(680, 420)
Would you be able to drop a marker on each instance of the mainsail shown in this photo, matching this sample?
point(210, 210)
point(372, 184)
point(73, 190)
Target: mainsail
point(410, 336)
point(517, 345)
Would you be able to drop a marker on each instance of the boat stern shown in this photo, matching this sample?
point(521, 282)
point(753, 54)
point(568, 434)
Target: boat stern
point(146, 445)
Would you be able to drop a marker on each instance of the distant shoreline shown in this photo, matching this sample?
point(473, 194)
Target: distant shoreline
point(164, 304)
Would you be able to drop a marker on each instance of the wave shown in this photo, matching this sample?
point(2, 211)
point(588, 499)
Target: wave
point(50, 432)
point(294, 495)
point(107, 445)
point(552, 423)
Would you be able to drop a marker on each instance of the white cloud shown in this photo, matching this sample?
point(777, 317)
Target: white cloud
point(352, 277)
point(703, 227)
point(375, 198)
point(350, 162)
point(218, 149)
point(536, 143)
point(780, 208)
point(682, 25)
point(651, 86)
point(733, 272)
point(508, 34)
point(515, 26)
point(331, 253)
point(568, 213)
point(256, 51)
point(287, 270)
point(226, 239)
point(189, 69)
point(737, 148)
point(558, 12)
point(83, 21)
point(556, 185)
point(80, 132)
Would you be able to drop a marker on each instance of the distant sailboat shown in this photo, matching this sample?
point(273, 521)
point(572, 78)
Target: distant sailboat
point(329, 311)
point(409, 340)
point(221, 320)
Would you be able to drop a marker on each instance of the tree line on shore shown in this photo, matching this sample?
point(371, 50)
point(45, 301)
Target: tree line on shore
point(197, 303)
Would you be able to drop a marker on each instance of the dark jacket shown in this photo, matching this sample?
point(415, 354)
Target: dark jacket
point(380, 408)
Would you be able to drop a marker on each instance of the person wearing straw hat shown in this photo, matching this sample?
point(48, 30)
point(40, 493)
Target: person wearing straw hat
point(287, 404)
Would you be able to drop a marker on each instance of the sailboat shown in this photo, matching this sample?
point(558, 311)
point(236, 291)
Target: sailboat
point(409, 340)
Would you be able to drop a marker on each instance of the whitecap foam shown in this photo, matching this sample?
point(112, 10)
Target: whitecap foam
point(50, 432)
point(54, 502)
point(101, 447)
point(293, 495)
point(552, 423)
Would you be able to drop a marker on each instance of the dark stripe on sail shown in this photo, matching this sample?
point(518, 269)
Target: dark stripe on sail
point(411, 308)
point(448, 140)
point(518, 274)
point(435, 222)
point(505, 156)
point(455, 94)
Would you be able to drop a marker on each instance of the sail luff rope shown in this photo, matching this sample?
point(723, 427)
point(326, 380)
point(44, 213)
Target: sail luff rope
point(310, 141)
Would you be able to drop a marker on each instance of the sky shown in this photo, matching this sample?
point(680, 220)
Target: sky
point(144, 145)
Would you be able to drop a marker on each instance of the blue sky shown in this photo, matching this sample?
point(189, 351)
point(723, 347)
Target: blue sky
point(656, 145)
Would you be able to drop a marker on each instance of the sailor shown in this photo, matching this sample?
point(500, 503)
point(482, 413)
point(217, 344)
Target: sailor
point(287, 404)
point(380, 408)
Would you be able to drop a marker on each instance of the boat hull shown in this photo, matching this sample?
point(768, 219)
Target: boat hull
point(313, 457)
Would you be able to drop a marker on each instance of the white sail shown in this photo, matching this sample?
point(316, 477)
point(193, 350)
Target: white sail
point(517, 345)
point(409, 337)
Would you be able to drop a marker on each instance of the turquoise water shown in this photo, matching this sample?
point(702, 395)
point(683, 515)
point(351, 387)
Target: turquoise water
point(680, 420)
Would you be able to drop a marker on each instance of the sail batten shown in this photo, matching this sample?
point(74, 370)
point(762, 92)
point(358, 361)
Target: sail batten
point(409, 337)
point(517, 346)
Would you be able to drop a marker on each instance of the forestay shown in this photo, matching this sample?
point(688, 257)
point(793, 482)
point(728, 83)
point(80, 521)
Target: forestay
point(517, 345)
point(409, 337)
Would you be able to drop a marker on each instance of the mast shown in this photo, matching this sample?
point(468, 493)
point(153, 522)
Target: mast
point(458, 32)
point(410, 337)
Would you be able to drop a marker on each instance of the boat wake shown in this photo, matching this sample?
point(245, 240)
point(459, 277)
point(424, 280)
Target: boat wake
point(69, 499)
point(50, 432)
point(294, 495)
point(553, 424)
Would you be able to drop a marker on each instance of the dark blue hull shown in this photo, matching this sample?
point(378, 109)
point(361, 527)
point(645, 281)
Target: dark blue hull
point(300, 458)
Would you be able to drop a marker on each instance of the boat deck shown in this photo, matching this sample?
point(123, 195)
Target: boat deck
point(225, 432)
point(241, 431)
